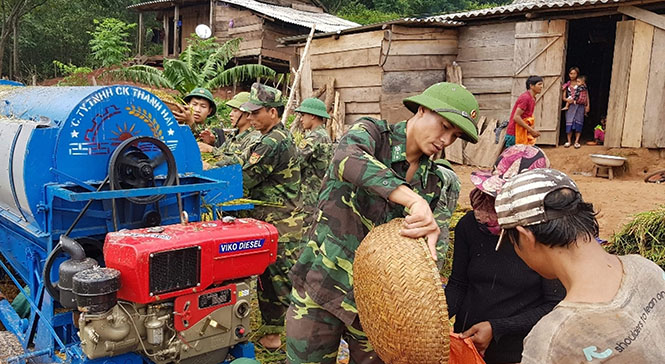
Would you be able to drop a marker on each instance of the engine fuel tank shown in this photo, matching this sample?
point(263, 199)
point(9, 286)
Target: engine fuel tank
point(169, 261)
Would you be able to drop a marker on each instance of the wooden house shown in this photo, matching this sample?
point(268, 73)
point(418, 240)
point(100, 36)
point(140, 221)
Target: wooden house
point(618, 44)
point(258, 23)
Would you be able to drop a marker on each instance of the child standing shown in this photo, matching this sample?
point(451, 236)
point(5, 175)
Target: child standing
point(578, 107)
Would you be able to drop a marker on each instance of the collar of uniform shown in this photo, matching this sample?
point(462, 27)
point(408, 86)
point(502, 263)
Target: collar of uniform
point(398, 142)
point(320, 128)
point(398, 151)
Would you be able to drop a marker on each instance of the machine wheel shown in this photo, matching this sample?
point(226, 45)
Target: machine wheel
point(130, 166)
point(656, 177)
point(9, 346)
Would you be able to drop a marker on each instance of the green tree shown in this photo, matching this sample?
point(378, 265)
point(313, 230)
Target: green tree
point(108, 44)
point(11, 12)
point(202, 64)
point(75, 76)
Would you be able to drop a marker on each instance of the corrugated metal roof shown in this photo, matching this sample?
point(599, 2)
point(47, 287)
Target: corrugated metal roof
point(324, 22)
point(519, 6)
point(160, 4)
point(375, 26)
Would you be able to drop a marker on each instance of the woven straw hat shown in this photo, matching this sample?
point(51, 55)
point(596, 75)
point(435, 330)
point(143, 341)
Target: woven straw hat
point(401, 303)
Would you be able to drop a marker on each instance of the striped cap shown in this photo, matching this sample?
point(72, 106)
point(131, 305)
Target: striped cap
point(521, 201)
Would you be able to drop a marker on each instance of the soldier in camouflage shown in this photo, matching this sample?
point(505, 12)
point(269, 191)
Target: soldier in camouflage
point(200, 106)
point(378, 172)
point(315, 152)
point(243, 137)
point(271, 173)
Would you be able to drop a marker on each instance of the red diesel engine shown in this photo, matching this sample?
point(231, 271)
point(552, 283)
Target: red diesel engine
point(183, 291)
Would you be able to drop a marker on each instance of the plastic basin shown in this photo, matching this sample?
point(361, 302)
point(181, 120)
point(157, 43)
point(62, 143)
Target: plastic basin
point(607, 160)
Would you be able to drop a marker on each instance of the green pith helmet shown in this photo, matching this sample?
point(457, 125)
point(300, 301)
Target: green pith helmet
point(204, 94)
point(238, 100)
point(313, 106)
point(453, 102)
point(262, 96)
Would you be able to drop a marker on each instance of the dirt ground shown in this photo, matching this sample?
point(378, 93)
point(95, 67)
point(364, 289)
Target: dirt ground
point(615, 200)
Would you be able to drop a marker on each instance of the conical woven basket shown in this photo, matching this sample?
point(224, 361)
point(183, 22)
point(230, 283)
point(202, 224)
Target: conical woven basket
point(401, 303)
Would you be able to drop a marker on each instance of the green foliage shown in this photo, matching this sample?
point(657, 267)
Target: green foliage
point(359, 13)
point(202, 64)
point(75, 76)
point(108, 44)
point(378, 11)
point(61, 30)
point(222, 117)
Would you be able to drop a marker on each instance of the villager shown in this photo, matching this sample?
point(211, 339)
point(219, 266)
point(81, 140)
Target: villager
point(521, 124)
point(495, 297)
point(614, 307)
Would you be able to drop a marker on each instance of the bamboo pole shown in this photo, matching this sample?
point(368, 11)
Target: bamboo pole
point(296, 79)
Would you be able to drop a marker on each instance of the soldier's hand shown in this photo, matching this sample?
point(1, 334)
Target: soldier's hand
point(184, 115)
point(208, 137)
point(205, 148)
point(421, 223)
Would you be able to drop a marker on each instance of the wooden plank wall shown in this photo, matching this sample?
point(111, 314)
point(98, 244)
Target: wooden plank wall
point(191, 17)
point(273, 31)
point(371, 84)
point(637, 85)
point(623, 50)
point(485, 53)
point(353, 60)
point(637, 100)
point(653, 135)
point(245, 25)
point(416, 59)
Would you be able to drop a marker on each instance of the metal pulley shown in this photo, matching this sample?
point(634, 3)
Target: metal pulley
point(130, 166)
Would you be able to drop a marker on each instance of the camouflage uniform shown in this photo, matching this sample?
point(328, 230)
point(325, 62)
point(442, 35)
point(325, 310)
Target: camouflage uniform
point(368, 165)
point(315, 152)
point(233, 148)
point(271, 173)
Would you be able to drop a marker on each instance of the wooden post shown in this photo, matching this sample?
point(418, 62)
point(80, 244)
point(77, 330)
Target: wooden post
point(296, 79)
point(140, 43)
point(176, 31)
point(211, 23)
point(34, 80)
point(330, 93)
point(258, 78)
point(332, 127)
point(167, 35)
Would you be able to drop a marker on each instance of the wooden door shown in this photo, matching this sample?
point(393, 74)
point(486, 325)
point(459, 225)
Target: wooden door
point(634, 115)
point(540, 50)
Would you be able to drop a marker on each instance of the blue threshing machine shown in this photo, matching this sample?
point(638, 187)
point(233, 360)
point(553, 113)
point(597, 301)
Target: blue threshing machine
point(105, 176)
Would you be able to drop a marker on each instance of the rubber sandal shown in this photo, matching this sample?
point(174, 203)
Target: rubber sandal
point(567, 145)
point(577, 146)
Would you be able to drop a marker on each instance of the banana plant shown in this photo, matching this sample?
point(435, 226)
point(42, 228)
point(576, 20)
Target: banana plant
point(202, 64)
